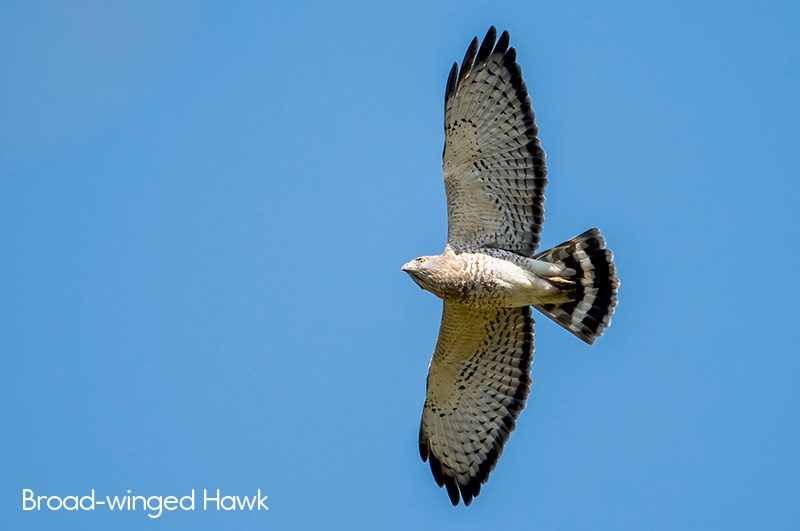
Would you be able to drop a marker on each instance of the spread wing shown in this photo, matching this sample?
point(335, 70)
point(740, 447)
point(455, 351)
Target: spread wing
point(494, 167)
point(478, 382)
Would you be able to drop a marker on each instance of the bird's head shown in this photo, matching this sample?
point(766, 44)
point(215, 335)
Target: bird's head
point(420, 269)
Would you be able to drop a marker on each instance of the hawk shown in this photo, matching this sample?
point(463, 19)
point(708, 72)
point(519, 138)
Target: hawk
point(489, 274)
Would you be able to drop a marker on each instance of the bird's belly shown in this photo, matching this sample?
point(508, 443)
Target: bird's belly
point(504, 294)
point(499, 283)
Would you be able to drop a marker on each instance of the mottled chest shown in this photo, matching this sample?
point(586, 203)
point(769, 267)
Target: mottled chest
point(480, 279)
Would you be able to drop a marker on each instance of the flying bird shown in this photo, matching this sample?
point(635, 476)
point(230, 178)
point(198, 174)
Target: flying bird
point(490, 275)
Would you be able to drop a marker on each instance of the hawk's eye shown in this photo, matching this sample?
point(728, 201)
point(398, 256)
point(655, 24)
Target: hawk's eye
point(420, 260)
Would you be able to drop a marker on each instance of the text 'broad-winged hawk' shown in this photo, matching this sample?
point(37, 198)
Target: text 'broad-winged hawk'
point(488, 275)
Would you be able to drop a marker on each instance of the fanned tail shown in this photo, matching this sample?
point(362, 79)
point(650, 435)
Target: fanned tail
point(592, 287)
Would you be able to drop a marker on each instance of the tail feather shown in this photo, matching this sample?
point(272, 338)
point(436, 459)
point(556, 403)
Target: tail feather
point(592, 287)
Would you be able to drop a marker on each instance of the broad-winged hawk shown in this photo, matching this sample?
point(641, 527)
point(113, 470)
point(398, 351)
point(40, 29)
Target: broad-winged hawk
point(489, 275)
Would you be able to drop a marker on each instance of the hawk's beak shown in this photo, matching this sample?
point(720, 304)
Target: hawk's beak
point(406, 267)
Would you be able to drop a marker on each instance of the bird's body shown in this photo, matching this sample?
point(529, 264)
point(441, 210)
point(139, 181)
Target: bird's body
point(492, 278)
point(489, 275)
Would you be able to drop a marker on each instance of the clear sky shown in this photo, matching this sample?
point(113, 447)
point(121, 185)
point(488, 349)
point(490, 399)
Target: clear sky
point(204, 208)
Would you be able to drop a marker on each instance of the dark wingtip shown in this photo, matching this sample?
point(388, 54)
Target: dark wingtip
point(436, 469)
point(502, 43)
point(444, 480)
point(511, 57)
point(469, 58)
point(452, 491)
point(451, 83)
point(474, 56)
point(423, 442)
point(487, 46)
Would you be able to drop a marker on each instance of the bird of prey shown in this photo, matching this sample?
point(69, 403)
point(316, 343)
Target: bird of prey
point(490, 275)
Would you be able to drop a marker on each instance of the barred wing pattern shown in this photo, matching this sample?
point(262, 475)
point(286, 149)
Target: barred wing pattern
point(478, 383)
point(494, 166)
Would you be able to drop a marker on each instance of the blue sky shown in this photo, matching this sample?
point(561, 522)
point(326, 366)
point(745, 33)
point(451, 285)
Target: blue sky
point(203, 213)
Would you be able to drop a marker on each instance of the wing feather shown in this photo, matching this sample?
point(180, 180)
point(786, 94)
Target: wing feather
point(478, 383)
point(494, 166)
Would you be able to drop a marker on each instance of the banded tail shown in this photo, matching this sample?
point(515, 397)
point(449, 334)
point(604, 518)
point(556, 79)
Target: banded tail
point(593, 287)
